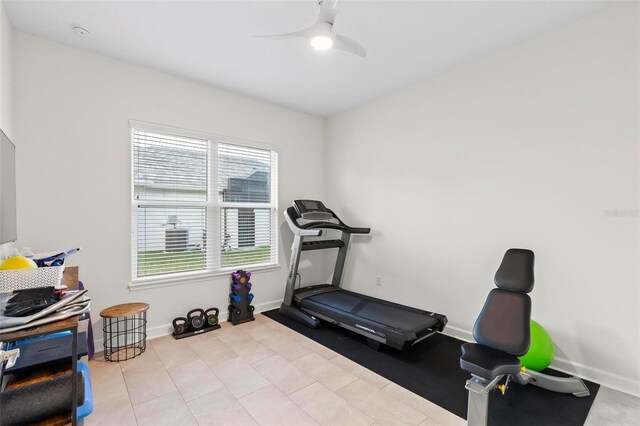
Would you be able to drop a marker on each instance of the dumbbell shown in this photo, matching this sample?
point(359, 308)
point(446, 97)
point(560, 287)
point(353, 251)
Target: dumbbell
point(235, 297)
point(250, 297)
point(239, 277)
point(196, 318)
point(236, 286)
point(211, 315)
point(179, 325)
point(233, 310)
point(248, 285)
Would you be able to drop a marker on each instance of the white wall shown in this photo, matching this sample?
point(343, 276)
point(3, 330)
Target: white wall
point(6, 88)
point(6, 68)
point(527, 147)
point(72, 114)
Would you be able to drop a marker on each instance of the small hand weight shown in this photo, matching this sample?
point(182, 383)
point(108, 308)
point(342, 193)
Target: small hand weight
point(248, 286)
point(179, 325)
point(211, 315)
point(240, 276)
point(196, 318)
point(236, 298)
point(233, 310)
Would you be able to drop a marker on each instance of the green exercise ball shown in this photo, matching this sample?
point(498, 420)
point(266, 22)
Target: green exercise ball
point(541, 351)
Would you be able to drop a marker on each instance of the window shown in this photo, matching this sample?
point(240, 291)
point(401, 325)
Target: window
point(200, 205)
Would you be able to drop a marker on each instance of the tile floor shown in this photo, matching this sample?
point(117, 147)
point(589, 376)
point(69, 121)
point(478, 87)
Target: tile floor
point(262, 373)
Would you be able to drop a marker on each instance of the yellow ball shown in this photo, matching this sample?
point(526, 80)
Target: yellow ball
point(17, 262)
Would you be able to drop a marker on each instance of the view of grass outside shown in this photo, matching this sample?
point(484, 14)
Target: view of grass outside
point(248, 256)
point(161, 262)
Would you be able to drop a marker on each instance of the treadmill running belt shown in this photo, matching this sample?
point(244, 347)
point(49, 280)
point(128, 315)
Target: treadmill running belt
point(371, 310)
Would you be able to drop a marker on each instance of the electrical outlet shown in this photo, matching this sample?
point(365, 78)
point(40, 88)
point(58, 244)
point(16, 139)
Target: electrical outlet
point(379, 280)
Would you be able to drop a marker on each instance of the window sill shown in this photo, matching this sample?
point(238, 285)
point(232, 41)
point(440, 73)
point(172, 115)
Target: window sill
point(190, 277)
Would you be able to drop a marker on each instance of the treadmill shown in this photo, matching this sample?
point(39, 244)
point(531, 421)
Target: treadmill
point(380, 321)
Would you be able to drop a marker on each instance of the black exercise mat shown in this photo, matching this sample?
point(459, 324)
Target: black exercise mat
point(431, 369)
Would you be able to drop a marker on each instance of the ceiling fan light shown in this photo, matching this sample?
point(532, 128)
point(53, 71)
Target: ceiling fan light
point(321, 42)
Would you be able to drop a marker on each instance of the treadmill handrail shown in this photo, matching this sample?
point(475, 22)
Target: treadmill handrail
point(315, 228)
point(295, 228)
point(339, 227)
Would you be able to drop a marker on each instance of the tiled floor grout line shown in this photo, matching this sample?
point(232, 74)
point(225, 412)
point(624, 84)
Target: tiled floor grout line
point(273, 384)
point(129, 396)
point(245, 408)
point(178, 388)
point(224, 386)
point(300, 407)
point(174, 384)
point(335, 393)
point(123, 380)
point(237, 399)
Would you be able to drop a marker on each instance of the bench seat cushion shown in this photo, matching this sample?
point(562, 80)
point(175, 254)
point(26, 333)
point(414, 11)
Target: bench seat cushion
point(486, 362)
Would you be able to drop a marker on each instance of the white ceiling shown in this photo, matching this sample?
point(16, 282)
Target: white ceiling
point(213, 41)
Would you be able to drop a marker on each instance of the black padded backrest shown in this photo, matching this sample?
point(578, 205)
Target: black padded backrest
point(516, 271)
point(503, 323)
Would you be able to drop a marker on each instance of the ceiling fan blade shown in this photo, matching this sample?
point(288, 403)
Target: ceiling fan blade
point(348, 45)
point(328, 10)
point(305, 33)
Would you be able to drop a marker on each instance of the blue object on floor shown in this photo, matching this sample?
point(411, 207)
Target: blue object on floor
point(87, 405)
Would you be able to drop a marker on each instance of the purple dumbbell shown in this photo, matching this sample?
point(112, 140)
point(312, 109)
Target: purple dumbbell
point(248, 274)
point(235, 275)
point(248, 286)
point(236, 286)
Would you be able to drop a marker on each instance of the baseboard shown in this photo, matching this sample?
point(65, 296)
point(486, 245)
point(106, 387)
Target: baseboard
point(166, 329)
point(458, 333)
point(267, 306)
point(604, 378)
point(152, 333)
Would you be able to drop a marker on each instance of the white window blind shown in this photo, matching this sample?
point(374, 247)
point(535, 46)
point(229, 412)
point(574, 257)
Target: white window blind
point(246, 194)
point(181, 225)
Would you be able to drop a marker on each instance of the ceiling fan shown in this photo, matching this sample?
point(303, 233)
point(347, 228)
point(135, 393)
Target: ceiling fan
point(321, 35)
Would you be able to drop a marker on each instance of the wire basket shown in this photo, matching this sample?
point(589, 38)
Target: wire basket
point(20, 279)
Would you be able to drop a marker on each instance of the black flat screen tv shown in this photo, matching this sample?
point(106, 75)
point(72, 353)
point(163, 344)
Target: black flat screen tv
point(8, 214)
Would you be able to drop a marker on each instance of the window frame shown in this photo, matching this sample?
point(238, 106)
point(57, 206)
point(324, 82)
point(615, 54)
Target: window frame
point(213, 206)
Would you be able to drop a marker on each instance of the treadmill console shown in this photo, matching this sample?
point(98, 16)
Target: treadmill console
point(312, 210)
